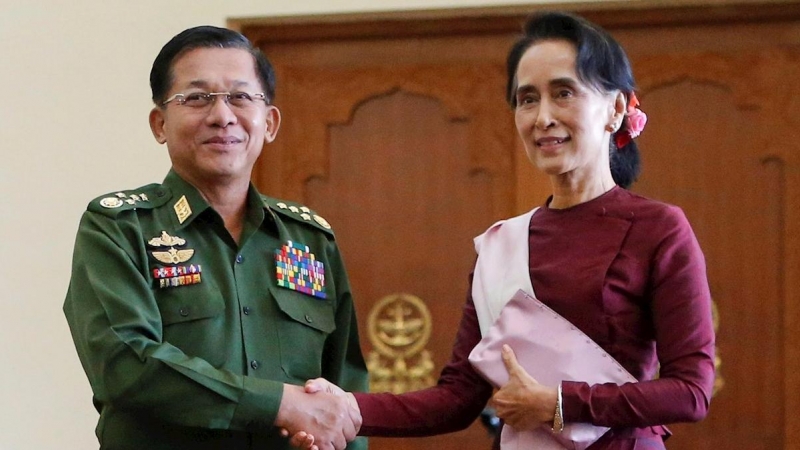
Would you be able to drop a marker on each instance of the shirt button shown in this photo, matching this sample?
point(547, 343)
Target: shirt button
point(239, 259)
point(309, 319)
point(254, 364)
point(246, 310)
point(183, 312)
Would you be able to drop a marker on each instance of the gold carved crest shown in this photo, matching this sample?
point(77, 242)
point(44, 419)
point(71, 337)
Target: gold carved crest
point(399, 326)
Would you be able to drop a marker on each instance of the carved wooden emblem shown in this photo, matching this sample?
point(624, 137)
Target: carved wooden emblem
point(399, 326)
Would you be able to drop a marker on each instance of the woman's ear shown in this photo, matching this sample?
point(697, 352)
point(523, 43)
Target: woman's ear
point(617, 112)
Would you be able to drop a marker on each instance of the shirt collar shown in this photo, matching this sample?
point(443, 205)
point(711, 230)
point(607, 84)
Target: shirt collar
point(186, 203)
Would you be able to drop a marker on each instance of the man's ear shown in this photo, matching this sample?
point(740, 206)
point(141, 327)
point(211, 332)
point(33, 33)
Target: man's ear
point(273, 123)
point(157, 125)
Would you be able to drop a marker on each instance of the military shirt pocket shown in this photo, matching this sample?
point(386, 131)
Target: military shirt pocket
point(189, 303)
point(193, 320)
point(306, 324)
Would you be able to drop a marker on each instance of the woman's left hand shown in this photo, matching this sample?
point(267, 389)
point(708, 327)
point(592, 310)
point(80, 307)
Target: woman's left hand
point(523, 403)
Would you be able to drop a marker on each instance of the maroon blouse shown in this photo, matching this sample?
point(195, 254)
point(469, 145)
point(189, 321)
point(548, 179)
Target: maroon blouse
point(628, 272)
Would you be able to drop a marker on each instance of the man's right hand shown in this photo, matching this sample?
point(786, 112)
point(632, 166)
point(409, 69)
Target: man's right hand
point(323, 385)
point(328, 418)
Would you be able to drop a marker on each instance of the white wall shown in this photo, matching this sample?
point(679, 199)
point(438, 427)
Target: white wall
point(74, 100)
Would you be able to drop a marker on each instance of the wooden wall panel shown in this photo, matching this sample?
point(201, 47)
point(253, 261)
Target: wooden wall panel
point(716, 145)
point(720, 84)
point(732, 200)
point(785, 151)
point(407, 233)
point(408, 164)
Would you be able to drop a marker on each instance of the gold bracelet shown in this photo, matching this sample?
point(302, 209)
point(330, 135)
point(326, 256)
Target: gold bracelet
point(558, 417)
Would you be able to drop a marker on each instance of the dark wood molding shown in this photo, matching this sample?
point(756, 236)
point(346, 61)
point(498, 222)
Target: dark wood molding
point(508, 19)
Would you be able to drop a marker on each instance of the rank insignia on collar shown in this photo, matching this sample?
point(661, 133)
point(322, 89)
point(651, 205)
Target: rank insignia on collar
point(298, 269)
point(182, 209)
point(171, 255)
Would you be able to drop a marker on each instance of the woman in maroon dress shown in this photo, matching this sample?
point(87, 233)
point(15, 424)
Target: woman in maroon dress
point(624, 269)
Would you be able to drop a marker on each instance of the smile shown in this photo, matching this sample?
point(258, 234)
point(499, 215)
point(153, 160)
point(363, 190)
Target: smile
point(548, 141)
point(224, 140)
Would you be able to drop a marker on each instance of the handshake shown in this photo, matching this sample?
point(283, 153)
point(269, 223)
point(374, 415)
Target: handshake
point(319, 416)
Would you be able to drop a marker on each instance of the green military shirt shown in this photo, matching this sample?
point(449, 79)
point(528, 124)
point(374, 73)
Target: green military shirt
point(187, 337)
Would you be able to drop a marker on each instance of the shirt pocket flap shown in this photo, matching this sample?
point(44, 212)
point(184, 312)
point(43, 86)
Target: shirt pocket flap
point(310, 311)
point(185, 303)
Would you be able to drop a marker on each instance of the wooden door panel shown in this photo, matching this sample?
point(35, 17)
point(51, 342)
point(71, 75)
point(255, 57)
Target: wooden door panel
point(707, 148)
point(408, 165)
point(406, 202)
point(409, 231)
point(707, 161)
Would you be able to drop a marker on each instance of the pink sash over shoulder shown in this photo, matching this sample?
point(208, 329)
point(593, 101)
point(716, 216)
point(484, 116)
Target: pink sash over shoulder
point(548, 346)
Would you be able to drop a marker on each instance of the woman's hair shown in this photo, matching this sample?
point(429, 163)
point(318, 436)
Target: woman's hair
point(600, 62)
point(206, 37)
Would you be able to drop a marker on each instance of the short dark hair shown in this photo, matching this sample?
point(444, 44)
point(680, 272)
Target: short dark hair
point(601, 62)
point(205, 36)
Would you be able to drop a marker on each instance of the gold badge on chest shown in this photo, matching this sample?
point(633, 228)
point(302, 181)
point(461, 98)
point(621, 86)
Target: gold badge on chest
point(175, 275)
point(172, 255)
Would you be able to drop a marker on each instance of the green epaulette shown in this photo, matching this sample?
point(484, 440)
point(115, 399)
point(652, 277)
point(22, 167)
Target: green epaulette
point(297, 212)
point(146, 197)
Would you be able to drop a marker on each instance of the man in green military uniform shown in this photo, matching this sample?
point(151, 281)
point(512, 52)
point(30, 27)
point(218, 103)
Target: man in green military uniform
point(198, 306)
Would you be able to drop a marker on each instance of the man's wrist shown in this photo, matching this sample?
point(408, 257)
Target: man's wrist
point(282, 416)
point(258, 405)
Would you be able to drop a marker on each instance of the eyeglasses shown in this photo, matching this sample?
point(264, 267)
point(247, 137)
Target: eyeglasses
point(204, 99)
